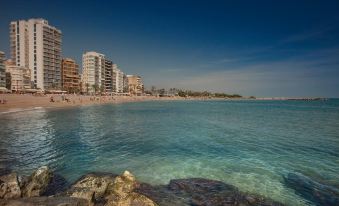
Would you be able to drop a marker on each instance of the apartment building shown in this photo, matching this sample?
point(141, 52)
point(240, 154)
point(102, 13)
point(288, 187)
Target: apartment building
point(108, 76)
point(36, 45)
point(2, 70)
point(118, 79)
point(20, 77)
point(70, 75)
point(93, 71)
point(135, 85)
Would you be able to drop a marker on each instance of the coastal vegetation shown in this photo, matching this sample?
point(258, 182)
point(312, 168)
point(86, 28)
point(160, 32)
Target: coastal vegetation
point(189, 93)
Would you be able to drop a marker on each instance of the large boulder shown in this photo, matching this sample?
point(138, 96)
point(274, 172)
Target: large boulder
point(92, 187)
point(123, 185)
point(100, 184)
point(121, 193)
point(85, 194)
point(37, 183)
point(9, 186)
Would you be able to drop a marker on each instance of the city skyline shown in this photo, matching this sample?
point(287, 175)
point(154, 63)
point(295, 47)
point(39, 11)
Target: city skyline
point(261, 49)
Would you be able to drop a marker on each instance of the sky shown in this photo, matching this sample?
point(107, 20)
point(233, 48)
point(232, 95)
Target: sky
point(282, 48)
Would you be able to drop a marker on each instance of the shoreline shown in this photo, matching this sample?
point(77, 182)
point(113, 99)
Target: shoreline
point(27, 102)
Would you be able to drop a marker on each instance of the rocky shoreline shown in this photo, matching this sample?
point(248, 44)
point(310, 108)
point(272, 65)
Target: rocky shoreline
point(44, 187)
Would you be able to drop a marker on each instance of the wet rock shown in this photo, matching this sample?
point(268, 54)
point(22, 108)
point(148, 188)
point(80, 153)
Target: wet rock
point(57, 185)
point(318, 193)
point(9, 186)
point(206, 192)
point(37, 183)
point(162, 195)
point(198, 191)
point(44, 201)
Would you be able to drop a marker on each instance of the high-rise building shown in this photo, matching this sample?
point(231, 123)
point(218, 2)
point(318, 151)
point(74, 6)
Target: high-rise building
point(2, 70)
point(93, 71)
point(118, 79)
point(108, 76)
point(125, 84)
point(36, 45)
point(135, 85)
point(70, 75)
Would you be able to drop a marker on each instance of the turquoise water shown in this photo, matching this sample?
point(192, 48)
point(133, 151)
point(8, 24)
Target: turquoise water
point(250, 144)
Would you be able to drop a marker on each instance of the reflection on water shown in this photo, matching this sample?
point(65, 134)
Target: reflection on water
point(250, 144)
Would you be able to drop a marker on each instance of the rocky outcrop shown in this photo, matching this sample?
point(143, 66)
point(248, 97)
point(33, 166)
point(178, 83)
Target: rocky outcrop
point(9, 186)
point(37, 183)
point(104, 189)
point(109, 190)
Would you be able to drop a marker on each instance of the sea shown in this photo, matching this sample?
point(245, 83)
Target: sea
point(255, 145)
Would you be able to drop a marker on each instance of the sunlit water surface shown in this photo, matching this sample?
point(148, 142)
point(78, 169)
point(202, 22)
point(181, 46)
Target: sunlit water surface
point(250, 144)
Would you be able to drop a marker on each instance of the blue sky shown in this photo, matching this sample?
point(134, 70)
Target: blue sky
point(261, 48)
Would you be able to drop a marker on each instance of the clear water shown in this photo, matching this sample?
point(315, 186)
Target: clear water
point(250, 144)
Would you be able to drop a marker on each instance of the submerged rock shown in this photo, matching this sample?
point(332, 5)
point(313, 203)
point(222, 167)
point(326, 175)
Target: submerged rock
point(37, 183)
point(201, 192)
point(311, 190)
point(9, 186)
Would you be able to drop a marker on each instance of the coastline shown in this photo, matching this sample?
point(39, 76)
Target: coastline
point(44, 187)
point(26, 102)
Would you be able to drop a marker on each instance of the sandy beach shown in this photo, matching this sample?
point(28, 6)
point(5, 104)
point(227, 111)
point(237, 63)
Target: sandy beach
point(18, 102)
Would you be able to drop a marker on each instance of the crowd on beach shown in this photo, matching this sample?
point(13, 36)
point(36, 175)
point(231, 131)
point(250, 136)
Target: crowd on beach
point(24, 101)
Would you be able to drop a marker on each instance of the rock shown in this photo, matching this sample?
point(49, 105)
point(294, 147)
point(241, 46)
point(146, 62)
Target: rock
point(314, 191)
point(198, 191)
point(162, 195)
point(251, 200)
point(206, 192)
point(85, 194)
point(131, 199)
point(37, 183)
point(9, 186)
point(57, 185)
point(44, 201)
point(123, 185)
point(122, 192)
point(100, 184)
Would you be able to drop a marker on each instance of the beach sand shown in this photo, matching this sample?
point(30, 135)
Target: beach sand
point(17, 102)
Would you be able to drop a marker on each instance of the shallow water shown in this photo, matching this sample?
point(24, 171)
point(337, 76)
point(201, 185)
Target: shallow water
point(250, 144)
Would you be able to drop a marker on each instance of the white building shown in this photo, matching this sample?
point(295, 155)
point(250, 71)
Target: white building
point(93, 71)
point(36, 45)
point(2, 70)
point(117, 79)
